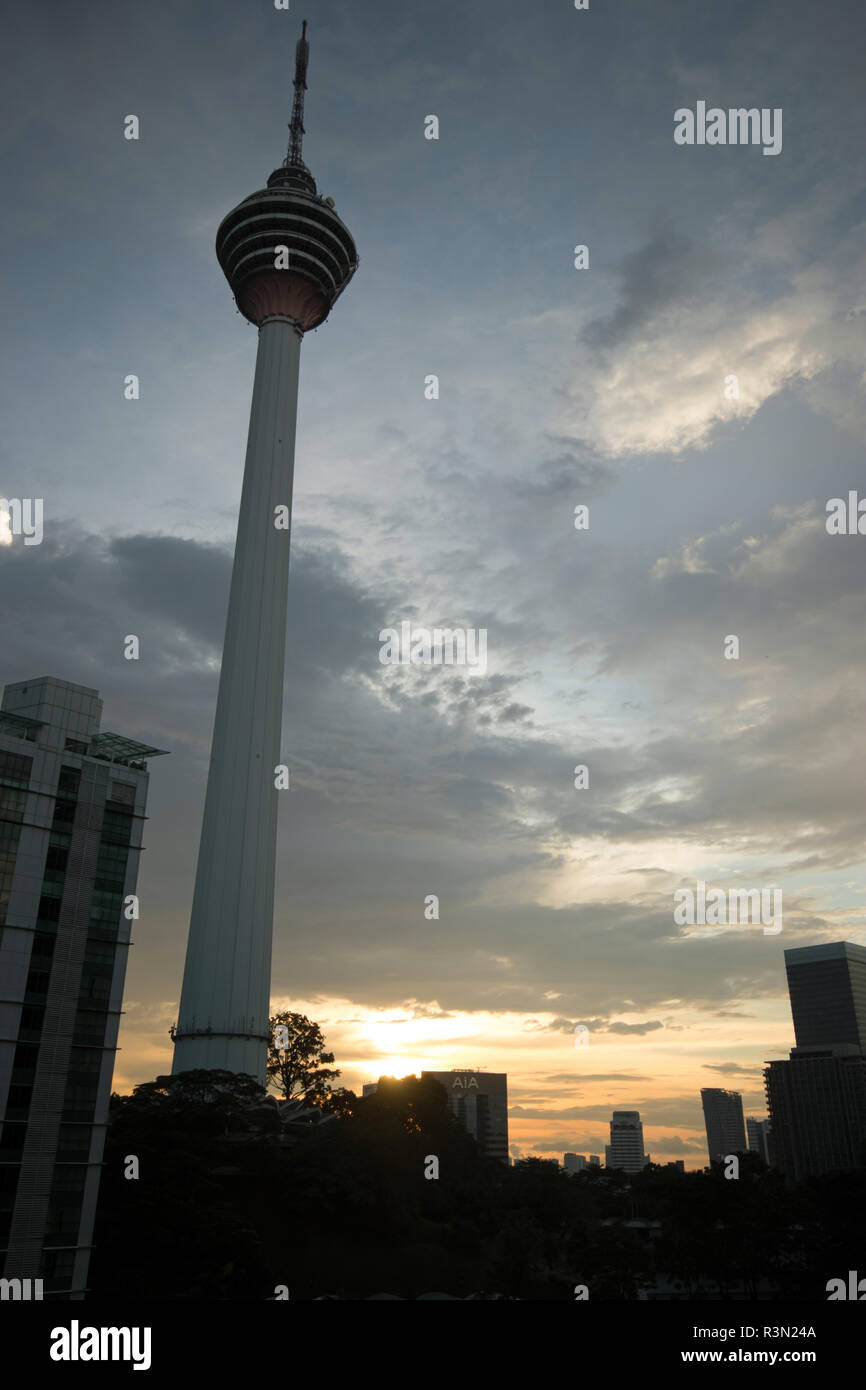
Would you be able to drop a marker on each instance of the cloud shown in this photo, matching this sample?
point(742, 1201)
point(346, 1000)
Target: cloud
point(692, 557)
point(753, 1072)
point(675, 1144)
point(600, 1025)
point(598, 1076)
point(667, 270)
point(636, 1028)
point(689, 351)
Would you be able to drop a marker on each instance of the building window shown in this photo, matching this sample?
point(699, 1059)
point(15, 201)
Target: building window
point(73, 1144)
point(57, 857)
point(124, 792)
point(68, 783)
point(12, 1139)
point(15, 769)
point(56, 1270)
point(116, 827)
point(30, 1029)
point(37, 985)
point(49, 908)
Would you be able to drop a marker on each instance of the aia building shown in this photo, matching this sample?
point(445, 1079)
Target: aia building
point(479, 1099)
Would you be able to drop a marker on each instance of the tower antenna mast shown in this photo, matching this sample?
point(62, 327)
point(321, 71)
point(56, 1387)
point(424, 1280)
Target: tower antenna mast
point(296, 128)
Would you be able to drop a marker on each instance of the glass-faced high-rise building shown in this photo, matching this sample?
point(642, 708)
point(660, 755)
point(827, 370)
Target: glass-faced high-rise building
point(817, 1098)
point(72, 802)
point(723, 1117)
point(827, 987)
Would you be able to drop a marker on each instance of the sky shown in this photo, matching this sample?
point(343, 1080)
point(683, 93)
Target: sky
point(698, 386)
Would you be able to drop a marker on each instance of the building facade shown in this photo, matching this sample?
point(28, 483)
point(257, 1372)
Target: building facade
point(625, 1149)
point(723, 1118)
point(758, 1136)
point(817, 1105)
point(479, 1099)
point(72, 807)
point(817, 1098)
point(827, 989)
point(574, 1163)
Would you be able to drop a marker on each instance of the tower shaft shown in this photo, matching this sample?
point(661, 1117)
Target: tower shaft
point(225, 1002)
point(287, 257)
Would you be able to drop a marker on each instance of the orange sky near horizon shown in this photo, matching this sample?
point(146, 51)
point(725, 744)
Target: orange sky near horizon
point(561, 1094)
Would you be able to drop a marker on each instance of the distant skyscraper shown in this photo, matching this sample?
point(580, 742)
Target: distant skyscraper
point(817, 1098)
point(595, 1160)
point(479, 1099)
point(625, 1149)
point(72, 804)
point(758, 1134)
point(574, 1163)
point(287, 256)
point(723, 1117)
point(827, 988)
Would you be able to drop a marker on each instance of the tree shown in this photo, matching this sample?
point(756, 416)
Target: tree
point(200, 1137)
point(200, 1101)
point(295, 1067)
point(340, 1102)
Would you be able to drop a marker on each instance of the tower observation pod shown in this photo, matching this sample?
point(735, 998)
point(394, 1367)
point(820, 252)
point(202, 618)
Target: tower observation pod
point(287, 257)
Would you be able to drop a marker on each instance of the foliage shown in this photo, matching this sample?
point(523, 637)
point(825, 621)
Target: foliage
point(230, 1203)
point(297, 1069)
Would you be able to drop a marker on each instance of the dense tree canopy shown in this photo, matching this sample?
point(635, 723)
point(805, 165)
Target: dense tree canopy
point(231, 1202)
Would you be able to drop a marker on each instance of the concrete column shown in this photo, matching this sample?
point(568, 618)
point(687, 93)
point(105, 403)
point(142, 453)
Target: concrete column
point(225, 1001)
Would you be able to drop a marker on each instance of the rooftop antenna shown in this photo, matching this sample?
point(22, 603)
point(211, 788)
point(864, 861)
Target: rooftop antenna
point(296, 127)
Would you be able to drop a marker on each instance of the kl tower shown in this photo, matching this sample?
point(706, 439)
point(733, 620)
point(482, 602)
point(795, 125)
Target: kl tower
point(287, 256)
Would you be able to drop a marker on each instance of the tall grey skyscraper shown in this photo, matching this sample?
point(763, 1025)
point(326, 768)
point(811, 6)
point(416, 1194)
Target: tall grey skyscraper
point(625, 1149)
point(723, 1117)
point(287, 256)
point(817, 1098)
point(72, 804)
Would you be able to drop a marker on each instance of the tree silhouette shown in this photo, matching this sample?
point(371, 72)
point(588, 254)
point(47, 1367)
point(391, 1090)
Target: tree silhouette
point(296, 1068)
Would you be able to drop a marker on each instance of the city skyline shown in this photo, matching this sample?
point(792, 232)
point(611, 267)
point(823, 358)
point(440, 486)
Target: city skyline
point(557, 387)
